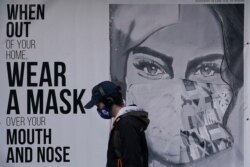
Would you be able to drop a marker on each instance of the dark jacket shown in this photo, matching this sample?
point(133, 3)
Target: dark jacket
point(127, 143)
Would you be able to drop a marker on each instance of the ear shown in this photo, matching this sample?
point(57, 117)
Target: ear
point(109, 101)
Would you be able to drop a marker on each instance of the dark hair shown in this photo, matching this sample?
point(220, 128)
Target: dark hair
point(118, 100)
point(231, 20)
point(115, 98)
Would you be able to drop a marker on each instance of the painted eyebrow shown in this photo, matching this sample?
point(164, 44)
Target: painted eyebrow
point(195, 62)
point(148, 51)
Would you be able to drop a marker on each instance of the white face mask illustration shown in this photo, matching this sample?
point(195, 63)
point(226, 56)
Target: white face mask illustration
point(186, 118)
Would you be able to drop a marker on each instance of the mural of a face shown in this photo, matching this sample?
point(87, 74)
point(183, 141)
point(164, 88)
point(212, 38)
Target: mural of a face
point(176, 75)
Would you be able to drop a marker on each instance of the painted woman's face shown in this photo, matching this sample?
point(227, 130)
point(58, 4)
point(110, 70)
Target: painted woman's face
point(175, 75)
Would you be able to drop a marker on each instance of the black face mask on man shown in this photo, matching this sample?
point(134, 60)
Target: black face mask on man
point(105, 112)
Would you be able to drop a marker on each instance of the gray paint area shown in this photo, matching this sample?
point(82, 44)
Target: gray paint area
point(174, 61)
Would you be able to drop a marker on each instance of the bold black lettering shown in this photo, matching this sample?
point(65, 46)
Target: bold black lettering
point(12, 11)
point(28, 154)
point(40, 11)
point(50, 154)
point(22, 136)
point(40, 154)
point(60, 74)
point(15, 106)
point(15, 77)
point(18, 29)
point(77, 101)
point(65, 101)
point(58, 158)
point(33, 106)
point(10, 29)
point(10, 156)
point(65, 154)
point(51, 98)
point(11, 137)
point(32, 11)
point(47, 137)
point(19, 154)
point(30, 73)
point(25, 12)
point(26, 24)
point(45, 74)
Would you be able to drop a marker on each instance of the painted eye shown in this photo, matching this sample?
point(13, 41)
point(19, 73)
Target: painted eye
point(151, 69)
point(207, 70)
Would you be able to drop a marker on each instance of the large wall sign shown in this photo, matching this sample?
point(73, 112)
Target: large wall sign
point(182, 63)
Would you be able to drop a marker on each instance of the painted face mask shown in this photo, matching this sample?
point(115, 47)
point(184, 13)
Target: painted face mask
point(105, 112)
point(186, 118)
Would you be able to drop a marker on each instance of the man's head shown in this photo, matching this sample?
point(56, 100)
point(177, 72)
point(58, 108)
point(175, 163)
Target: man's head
point(107, 97)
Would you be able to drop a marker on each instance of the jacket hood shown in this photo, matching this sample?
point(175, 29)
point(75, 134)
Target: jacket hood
point(136, 112)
